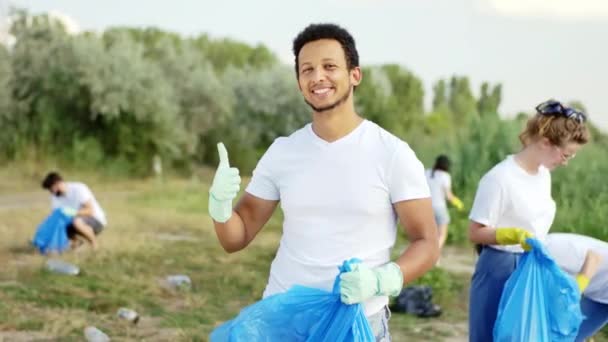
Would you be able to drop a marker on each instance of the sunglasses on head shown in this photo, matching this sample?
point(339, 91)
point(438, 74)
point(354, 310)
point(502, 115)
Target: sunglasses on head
point(553, 107)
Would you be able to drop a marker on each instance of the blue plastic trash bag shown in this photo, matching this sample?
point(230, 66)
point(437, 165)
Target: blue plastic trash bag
point(52, 235)
point(540, 302)
point(300, 314)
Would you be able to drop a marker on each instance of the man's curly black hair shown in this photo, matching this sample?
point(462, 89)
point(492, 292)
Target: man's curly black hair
point(315, 32)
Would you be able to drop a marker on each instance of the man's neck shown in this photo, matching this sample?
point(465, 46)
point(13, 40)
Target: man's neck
point(335, 124)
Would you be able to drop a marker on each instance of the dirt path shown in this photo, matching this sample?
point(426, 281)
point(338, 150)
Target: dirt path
point(24, 336)
point(458, 260)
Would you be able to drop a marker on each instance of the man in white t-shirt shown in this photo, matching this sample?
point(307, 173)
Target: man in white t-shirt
point(77, 200)
point(342, 181)
point(585, 257)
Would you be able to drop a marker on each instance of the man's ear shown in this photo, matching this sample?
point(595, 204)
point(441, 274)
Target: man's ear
point(356, 75)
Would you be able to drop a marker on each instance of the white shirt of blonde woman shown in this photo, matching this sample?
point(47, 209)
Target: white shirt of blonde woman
point(76, 195)
point(570, 251)
point(439, 184)
point(508, 196)
point(337, 202)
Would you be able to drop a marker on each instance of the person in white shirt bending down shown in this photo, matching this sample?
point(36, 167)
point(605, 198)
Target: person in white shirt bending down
point(585, 258)
point(77, 200)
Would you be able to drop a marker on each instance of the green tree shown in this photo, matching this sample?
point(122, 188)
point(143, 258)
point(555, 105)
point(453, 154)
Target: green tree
point(5, 82)
point(7, 137)
point(268, 104)
point(87, 99)
point(489, 100)
point(463, 105)
point(128, 94)
point(225, 52)
point(152, 39)
point(440, 98)
point(392, 97)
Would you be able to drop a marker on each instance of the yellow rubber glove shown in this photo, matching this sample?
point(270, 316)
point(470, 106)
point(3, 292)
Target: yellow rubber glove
point(456, 202)
point(513, 236)
point(582, 281)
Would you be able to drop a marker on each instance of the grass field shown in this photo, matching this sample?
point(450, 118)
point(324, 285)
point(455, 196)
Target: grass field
point(157, 229)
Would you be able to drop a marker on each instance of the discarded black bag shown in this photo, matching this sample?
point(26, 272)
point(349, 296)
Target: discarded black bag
point(416, 300)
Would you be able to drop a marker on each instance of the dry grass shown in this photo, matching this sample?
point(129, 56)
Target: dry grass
point(154, 230)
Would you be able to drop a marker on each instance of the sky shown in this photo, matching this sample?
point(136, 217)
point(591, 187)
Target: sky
point(537, 49)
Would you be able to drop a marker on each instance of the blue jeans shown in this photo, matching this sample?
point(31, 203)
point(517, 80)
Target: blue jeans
point(379, 324)
point(492, 270)
point(597, 317)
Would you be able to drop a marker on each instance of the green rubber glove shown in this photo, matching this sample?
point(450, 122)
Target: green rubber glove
point(225, 187)
point(364, 282)
point(67, 211)
point(582, 281)
point(513, 236)
point(456, 202)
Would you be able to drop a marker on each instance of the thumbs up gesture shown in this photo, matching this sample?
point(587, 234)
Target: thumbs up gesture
point(225, 187)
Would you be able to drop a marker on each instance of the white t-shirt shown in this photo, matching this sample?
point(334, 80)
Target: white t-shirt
point(570, 251)
point(508, 196)
point(337, 202)
point(76, 195)
point(439, 183)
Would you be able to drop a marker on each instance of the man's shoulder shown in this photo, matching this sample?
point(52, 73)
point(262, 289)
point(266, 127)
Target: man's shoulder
point(294, 138)
point(77, 185)
point(386, 139)
point(78, 188)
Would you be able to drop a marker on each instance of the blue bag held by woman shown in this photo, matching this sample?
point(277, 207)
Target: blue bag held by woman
point(51, 235)
point(540, 302)
point(300, 314)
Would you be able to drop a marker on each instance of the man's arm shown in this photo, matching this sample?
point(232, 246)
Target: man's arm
point(86, 209)
point(416, 217)
point(592, 262)
point(248, 217)
point(235, 227)
point(363, 282)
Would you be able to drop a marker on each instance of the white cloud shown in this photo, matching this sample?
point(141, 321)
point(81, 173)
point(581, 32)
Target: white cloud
point(5, 37)
point(71, 26)
point(568, 9)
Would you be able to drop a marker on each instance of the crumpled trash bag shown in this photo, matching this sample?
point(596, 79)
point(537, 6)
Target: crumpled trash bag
point(300, 314)
point(416, 300)
point(540, 302)
point(52, 235)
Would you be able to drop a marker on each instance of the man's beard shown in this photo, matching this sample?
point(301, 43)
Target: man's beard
point(333, 105)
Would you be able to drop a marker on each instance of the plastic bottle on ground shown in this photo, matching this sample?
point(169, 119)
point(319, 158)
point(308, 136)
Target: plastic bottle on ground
point(92, 334)
point(128, 315)
point(180, 281)
point(62, 267)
